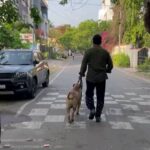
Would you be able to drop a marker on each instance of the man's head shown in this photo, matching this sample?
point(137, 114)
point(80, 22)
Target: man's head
point(97, 39)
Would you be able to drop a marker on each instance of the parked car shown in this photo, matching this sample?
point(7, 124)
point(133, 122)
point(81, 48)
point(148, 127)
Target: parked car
point(22, 71)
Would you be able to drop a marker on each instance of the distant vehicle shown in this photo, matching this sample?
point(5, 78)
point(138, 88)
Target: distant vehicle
point(22, 71)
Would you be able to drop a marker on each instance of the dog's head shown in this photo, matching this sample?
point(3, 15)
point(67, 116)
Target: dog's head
point(77, 85)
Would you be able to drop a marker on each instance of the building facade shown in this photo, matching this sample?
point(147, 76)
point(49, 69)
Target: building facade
point(42, 6)
point(24, 7)
point(105, 13)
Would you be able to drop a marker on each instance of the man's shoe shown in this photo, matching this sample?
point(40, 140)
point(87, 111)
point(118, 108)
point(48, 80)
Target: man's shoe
point(98, 119)
point(92, 115)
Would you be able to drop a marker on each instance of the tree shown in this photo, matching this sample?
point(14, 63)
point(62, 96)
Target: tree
point(10, 27)
point(63, 2)
point(147, 16)
point(9, 38)
point(129, 15)
point(8, 12)
point(35, 15)
point(80, 38)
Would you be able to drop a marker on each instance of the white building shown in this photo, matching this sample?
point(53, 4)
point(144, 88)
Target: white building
point(105, 12)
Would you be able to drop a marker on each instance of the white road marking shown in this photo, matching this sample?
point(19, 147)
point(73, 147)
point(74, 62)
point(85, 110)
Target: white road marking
point(53, 94)
point(128, 101)
point(38, 112)
point(60, 101)
point(130, 107)
point(130, 94)
point(38, 95)
point(55, 118)
point(103, 117)
point(59, 73)
point(28, 125)
point(108, 98)
point(136, 99)
point(114, 111)
point(44, 103)
point(58, 106)
point(111, 102)
point(19, 112)
point(145, 96)
point(48, 98)
point(62, 96)
point(121, 125)
point(106, 93)
point(138, 119)
point(118, 96)
point(144, 103)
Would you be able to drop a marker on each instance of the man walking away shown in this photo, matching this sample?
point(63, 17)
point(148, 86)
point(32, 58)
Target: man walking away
point(99, 63)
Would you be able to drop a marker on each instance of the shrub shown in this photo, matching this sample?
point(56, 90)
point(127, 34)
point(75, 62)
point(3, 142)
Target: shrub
point(45, 54)
point(145, 67)
point(121, 60)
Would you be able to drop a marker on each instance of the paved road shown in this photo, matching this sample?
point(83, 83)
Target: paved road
point(41, 123)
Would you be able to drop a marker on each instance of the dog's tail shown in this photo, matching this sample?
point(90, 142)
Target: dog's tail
point(70, 96)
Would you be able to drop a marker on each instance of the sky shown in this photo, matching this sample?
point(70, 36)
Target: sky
point(74, 12)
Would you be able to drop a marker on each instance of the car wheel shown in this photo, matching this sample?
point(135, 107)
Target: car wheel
point(32, 93)
point(46, 83)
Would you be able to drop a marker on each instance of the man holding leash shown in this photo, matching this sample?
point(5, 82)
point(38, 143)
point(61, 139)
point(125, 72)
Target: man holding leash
point(99, 63)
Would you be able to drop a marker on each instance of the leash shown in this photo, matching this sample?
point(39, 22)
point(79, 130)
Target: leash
point(80, 81)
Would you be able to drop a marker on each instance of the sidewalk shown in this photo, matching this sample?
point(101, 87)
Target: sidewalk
point(56, 65)
point(134, 72)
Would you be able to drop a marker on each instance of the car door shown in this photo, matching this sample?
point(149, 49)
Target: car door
point(44, 67)
point(38, 67)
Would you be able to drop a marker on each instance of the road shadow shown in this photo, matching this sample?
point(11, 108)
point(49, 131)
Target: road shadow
point(9, 118)
point(13, 98)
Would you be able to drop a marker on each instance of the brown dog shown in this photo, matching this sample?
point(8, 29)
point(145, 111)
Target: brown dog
point(74, 101)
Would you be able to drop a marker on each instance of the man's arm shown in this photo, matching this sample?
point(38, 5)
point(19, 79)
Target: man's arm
point(84, 65)
point(109, 64)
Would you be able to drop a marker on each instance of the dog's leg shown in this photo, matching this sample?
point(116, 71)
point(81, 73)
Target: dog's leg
point(68, 114)
point(72, 115)
point(77, 112)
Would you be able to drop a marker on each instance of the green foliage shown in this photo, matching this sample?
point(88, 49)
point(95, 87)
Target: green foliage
point(8, 12)
point(145, 67)
point(10, 27)
point(35, 15)
point(54, 55)
point(121, 60)
point(21, 27)
point(80, 38)
point(131, 34)
point(130, 15)
point(146, 40)
point(10, 38)
point(104, 25)
point(45, 54)
point(67, 39)
point(63, 2)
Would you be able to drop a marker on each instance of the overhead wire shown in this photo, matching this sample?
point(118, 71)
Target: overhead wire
point(82, 5)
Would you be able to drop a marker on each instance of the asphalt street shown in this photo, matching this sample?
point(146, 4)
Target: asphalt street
point(41, 123)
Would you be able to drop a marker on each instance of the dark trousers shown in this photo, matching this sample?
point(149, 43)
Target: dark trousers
point(100, 93)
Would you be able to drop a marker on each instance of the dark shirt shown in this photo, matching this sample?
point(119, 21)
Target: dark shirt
point(99, 63)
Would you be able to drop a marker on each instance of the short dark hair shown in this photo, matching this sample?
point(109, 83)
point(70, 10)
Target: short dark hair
point(97, 39)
